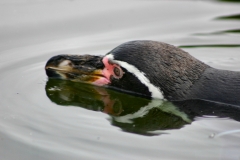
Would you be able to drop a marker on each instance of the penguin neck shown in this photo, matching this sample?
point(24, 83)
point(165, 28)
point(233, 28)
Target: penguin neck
point(217, 85)
point(175, 73)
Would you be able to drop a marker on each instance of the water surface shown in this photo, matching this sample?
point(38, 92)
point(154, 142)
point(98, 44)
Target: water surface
point(42, 119)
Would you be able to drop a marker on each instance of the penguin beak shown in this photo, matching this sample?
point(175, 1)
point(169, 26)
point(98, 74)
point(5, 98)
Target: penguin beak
point(84, 68)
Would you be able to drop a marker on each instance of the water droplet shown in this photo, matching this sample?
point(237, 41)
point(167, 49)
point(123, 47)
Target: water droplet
point(212, 135)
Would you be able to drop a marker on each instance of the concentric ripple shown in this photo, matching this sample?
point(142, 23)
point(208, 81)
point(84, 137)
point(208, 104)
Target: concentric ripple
point(44, 119)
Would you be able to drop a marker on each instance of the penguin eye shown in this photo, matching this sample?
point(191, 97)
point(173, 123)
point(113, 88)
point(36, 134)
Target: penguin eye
point(117, 71)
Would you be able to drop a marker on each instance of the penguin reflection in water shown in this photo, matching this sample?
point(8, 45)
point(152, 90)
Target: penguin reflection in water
point(150, 69)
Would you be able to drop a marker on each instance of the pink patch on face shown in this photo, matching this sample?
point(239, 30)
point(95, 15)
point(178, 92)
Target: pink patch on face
point(112, 69)
point(107, 72)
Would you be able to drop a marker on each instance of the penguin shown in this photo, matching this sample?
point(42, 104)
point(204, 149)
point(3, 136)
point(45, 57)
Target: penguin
point(150, 69)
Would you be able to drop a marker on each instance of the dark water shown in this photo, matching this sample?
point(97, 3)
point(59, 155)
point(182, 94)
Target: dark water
point(52, 119)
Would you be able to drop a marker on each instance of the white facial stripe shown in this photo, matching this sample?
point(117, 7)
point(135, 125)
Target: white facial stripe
point(155, 91)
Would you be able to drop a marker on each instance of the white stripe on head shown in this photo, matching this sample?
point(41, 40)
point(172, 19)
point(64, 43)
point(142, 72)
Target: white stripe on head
point(155, 91)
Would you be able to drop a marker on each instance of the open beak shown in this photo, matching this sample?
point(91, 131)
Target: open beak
point(84, 68)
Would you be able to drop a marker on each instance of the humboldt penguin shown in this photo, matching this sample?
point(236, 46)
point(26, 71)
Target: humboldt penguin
point(150, 69)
